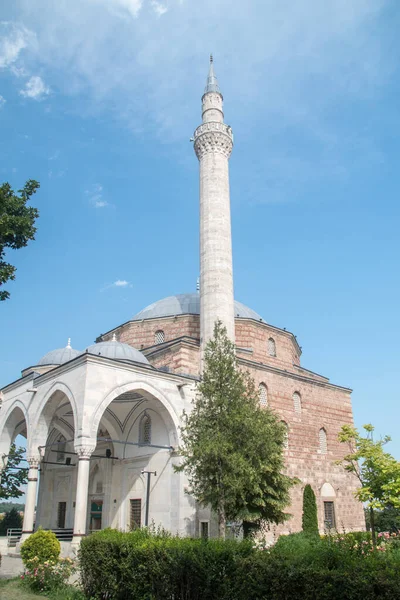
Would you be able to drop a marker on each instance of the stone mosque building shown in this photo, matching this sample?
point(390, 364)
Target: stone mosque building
point(102, 424)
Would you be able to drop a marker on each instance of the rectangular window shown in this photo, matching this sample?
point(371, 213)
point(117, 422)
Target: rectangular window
point(136, 513)
point(204, 530)
point(96, 514)
point(329, 513)
point(62, 510)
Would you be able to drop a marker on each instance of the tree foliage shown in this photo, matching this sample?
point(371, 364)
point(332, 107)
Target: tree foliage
point(12, 475)
point(310, 516)
point(232, 449)
point(17, 226)
point(11, 520)
point(377, 471)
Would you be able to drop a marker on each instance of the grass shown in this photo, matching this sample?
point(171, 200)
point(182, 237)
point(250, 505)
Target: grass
point(10, 589)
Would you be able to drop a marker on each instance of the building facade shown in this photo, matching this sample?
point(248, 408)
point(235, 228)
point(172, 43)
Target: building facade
point(102, 425)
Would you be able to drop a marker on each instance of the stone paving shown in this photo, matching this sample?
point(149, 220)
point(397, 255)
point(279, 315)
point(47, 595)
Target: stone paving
point(11, 566)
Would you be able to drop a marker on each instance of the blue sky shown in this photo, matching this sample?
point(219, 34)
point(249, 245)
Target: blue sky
point(98, 101)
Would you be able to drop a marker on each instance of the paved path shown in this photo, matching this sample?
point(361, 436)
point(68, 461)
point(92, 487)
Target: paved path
point(10, 567)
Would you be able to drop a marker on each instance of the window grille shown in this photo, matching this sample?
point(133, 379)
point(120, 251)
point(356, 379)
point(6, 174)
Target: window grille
point(204, 530)
point(263, 394)
point(99, 487)
point(136, 513)
point(61, 512)
point(145, 430)
point(297, 402)
point(286, 438)
point(323, 445)
point(271, 347)
point(159, 337)
point(61, 449)
point(329, 514)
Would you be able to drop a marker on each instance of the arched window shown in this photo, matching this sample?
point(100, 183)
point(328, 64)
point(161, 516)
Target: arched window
point(145, 430)
point(286, 438)
point(263, 394)
point(271, 347)
point(61, 443)
point(296, 402)
point(323, 445)
point(159, 337)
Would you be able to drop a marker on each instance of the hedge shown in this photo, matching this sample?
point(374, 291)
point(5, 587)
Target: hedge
point(140, 566)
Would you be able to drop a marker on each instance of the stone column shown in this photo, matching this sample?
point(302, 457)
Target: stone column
point(30, 497)
point(213, 143)
point(84, 453)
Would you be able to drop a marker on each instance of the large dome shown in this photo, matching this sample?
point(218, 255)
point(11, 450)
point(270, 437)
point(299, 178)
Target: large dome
point(183, 304)
point(117, 351)
point(59, 356)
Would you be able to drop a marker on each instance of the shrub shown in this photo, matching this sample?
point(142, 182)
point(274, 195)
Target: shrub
point(118, 566)
point(139, 565)
point(310, 517)
point(48, 576)
point(42, 545)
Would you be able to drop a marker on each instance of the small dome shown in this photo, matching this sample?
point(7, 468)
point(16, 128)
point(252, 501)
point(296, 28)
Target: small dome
point(117, 351)
point(183, 304)
point(59, 356)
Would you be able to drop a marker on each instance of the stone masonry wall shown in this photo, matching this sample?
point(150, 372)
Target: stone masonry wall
point(322, 405)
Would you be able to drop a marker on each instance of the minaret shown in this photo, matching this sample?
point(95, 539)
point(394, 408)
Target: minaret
point(213, 142)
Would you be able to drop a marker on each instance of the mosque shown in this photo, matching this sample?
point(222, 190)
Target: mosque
point(102, 424)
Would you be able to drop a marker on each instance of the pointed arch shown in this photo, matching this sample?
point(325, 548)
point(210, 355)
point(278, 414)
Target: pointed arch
point(323, 443)
point(166, 411)
point(296, 402)
point(271, 346)
point(14, 422)
point(263, 395)
point(145, 429)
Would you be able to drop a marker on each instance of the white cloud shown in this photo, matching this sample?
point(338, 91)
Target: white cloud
point(95, 195)
point(35, 88)
point(13, 39)
point(159, 9)
point(2, 101)
point(121, 283)
point(287, 70)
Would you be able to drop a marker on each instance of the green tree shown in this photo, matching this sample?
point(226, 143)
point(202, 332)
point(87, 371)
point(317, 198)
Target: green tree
point(387, 519)
point(310, 517)
point(232, 449)
point(12, 475)
point(377, 471)
point(17, 226)
point(11, 520)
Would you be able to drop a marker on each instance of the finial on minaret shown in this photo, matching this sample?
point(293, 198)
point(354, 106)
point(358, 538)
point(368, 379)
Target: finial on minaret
point(69, 343)
point(212, 81)
point(114, 338)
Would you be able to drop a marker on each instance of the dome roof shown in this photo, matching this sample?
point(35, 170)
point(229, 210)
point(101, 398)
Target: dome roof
point(118, 351)
point(59, 356)
point(183, 304)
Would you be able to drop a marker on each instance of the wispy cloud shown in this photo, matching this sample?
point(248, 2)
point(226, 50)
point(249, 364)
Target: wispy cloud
point(35, 88)
point(2, 101)
point(95, 195)
point(295, 66)
point(159, 9)
point(13, 39)
point(118, 283)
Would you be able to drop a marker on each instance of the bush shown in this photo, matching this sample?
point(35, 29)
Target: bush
point(42, 545)
point(49, 576)
point(11, 520)
point(139, 565)
point(120, 566)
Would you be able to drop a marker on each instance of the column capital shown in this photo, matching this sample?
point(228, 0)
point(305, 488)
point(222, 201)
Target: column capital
point(33, 461)
point(84, 451)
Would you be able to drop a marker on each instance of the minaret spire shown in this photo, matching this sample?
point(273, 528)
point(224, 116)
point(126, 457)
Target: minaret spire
point(212, 81)
point(213, 143)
